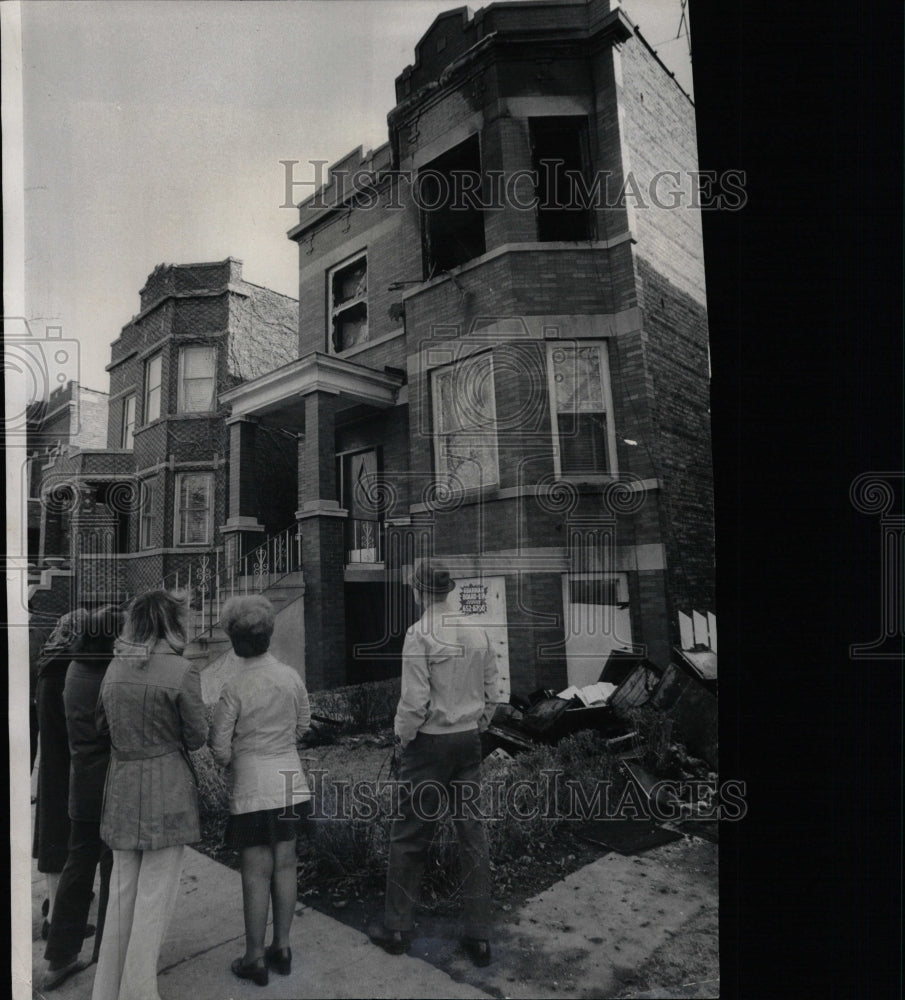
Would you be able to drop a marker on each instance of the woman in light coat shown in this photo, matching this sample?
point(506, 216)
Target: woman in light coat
point(151, 706)
point(261, 715)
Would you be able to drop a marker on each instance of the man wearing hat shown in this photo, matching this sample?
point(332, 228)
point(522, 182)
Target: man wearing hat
point(449, 686)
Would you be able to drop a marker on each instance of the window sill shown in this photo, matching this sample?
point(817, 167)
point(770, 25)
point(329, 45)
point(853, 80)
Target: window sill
point(464, 498)
point(358, 348)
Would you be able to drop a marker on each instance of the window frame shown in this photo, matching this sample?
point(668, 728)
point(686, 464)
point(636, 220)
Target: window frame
point(148, 514)
point(146, 417)
point(554, 217)
point(334, 311)
point(433, 231)
point(612, 461)
point(181, 394)
point(438, 450)
point(178, 511)
point(127, 428)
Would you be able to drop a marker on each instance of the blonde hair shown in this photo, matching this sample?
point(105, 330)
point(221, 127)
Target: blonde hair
point(158, 614)
point(248, 621)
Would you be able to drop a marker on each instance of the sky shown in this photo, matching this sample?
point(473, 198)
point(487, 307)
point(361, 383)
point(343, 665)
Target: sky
point(154, 131)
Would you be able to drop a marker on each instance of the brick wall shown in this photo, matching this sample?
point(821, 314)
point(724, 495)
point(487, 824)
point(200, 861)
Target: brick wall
point(263, 333)
point(676, 327)
point(658, 129)
point(393, 248)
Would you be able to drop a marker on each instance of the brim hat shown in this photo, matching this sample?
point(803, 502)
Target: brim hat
point(432, 578)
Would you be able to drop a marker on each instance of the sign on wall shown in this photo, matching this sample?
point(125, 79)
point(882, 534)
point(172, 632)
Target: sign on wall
point(484, 600)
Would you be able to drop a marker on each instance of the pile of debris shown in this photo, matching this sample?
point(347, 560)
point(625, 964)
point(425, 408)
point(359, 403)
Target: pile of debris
point(685, 693)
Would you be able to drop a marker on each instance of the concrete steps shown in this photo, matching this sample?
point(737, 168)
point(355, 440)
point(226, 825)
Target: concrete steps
point(212, 652)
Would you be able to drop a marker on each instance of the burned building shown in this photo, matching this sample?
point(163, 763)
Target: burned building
point(502, 357)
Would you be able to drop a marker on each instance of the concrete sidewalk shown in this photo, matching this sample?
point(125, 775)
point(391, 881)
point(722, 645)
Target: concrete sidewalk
point(582, 937)
point(329, 959)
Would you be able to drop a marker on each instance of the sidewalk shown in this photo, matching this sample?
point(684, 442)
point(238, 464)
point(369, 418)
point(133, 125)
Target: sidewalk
point(580, 938)
point(207, 933)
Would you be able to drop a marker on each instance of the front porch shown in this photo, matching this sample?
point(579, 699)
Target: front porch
point(338, 518)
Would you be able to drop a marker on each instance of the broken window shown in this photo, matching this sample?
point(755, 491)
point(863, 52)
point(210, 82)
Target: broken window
point(348, 291)
point(559, 148)
point(465, 429)
point(452, 221)
point(580, 403)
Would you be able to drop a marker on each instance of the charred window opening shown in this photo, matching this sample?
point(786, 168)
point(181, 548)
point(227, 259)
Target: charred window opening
point(452, 221)
point(348, 289)
point(559, 148)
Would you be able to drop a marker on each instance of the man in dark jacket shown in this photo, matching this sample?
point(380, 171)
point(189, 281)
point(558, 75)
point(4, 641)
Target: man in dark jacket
point(89, 756)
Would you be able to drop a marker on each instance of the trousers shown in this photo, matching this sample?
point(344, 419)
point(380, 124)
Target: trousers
point(73, 898)
point(143, 890)
point(431, 763)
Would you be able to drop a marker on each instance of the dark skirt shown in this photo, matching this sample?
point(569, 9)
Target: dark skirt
point(266, 827)
point(51, 838)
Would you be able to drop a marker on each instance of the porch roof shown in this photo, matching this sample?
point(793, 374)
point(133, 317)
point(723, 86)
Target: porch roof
point(282, 391)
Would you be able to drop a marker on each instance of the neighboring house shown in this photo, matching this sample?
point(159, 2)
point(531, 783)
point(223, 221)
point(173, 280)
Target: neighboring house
point(140, 507)
point(502, 358)
point(73, 418)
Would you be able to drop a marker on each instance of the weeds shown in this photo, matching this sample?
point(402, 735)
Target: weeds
point(361, 707)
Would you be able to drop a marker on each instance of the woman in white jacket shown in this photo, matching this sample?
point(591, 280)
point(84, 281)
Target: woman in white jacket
point(262, 713)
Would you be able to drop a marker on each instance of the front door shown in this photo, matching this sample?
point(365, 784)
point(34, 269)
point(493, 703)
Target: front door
point(359, 477)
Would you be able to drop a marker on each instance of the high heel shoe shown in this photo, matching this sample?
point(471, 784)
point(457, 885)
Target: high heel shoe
point(256, 971)
point(279, 959)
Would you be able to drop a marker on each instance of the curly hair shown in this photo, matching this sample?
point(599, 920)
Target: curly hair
point(248, 621)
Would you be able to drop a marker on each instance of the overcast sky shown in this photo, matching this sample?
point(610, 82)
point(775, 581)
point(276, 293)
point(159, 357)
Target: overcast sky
point(154, 131)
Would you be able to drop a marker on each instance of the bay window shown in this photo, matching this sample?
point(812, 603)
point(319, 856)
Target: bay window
point(194, 491)
point(197, 367)
point(580, 409)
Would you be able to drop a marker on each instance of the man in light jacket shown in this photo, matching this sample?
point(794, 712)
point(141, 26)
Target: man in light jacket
point(449, 688)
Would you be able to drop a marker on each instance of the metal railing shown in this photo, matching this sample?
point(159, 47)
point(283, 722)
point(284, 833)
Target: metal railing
point(210, 580)
point(364, 540)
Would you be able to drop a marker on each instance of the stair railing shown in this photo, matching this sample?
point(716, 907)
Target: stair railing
point(210, 581)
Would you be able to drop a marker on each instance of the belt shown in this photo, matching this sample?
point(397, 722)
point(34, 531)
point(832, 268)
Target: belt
point(145, 753)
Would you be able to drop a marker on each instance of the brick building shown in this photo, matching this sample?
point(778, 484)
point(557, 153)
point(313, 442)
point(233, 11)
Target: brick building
point(73, 417)
point(502, 356)
point(149, 501)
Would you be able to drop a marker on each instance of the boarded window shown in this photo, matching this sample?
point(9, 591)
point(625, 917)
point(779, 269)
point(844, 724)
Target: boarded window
point(465, 429)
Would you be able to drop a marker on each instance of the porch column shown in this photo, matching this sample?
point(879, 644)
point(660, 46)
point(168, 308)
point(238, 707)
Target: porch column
point(322, 526)
point(92, 546)
point(242, 531)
